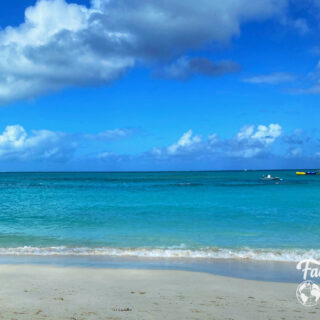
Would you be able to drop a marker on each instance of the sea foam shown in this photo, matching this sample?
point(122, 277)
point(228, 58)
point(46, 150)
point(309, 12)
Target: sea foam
point(293, 255)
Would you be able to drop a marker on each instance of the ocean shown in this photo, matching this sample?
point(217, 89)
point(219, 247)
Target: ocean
point(200, 215)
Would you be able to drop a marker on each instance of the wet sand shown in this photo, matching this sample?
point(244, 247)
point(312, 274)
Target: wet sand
point(48, 292)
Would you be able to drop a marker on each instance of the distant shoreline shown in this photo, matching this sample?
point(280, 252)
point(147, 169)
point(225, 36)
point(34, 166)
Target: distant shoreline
point(164, 171)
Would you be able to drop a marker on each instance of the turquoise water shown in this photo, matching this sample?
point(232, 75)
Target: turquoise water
point(185, 214)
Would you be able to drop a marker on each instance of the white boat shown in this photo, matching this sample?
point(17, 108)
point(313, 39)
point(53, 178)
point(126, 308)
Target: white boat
point(270, 178)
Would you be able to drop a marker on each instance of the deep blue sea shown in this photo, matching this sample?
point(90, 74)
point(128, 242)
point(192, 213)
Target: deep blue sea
point(169, 214)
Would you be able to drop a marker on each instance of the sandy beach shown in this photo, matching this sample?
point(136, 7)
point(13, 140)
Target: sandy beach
point(46, 292)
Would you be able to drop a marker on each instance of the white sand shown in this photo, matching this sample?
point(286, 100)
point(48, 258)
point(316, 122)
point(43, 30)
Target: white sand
point(42, 292)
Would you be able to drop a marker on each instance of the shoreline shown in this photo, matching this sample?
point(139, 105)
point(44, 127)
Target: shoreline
point(242, 253)
point(272, 271)
point(51, 292)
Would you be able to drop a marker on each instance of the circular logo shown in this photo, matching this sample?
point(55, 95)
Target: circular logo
point(308, 293)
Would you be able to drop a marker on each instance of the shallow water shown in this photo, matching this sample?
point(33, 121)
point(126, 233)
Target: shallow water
point(244, 269)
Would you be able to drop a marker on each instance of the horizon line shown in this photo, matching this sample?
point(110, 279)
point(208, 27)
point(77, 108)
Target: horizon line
point(157, 171)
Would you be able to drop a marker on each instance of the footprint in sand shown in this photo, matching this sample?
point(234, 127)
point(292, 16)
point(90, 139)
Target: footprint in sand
point(122, 309)
point(59, 299)
point(196, 311)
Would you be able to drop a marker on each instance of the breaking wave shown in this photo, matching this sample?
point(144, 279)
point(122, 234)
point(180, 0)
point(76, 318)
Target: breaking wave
point(293, 255)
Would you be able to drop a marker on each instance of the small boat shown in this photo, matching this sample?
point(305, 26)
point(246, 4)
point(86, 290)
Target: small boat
point(313, 173)
point(270, 178)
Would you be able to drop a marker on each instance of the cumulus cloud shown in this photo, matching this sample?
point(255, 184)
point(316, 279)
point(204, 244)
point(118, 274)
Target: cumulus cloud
point(251, 141)
point(62, 44)
point(251, 144)
point(188, 142)
point(49, 51)
point(273, 78)
point(17, 144)
point(185, 68)
point(267, 134)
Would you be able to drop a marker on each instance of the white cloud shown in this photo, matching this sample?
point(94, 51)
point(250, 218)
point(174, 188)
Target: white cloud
point(245, 133)
point(273, 78)
point(51, 51)
point(213, 142)
point(107, 156)
point(17, 144)
point(60, 44)
point(251, 141)
point(45, 20)
point(187, 143)
point(267, 134)
point(112, 134)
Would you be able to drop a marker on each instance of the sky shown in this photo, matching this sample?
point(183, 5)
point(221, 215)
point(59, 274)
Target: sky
point(134, 85)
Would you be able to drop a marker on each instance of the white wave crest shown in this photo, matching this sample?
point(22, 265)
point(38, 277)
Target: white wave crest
point(206, 253)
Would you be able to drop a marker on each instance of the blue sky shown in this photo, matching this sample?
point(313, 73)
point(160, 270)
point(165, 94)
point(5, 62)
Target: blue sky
point(159, 85)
